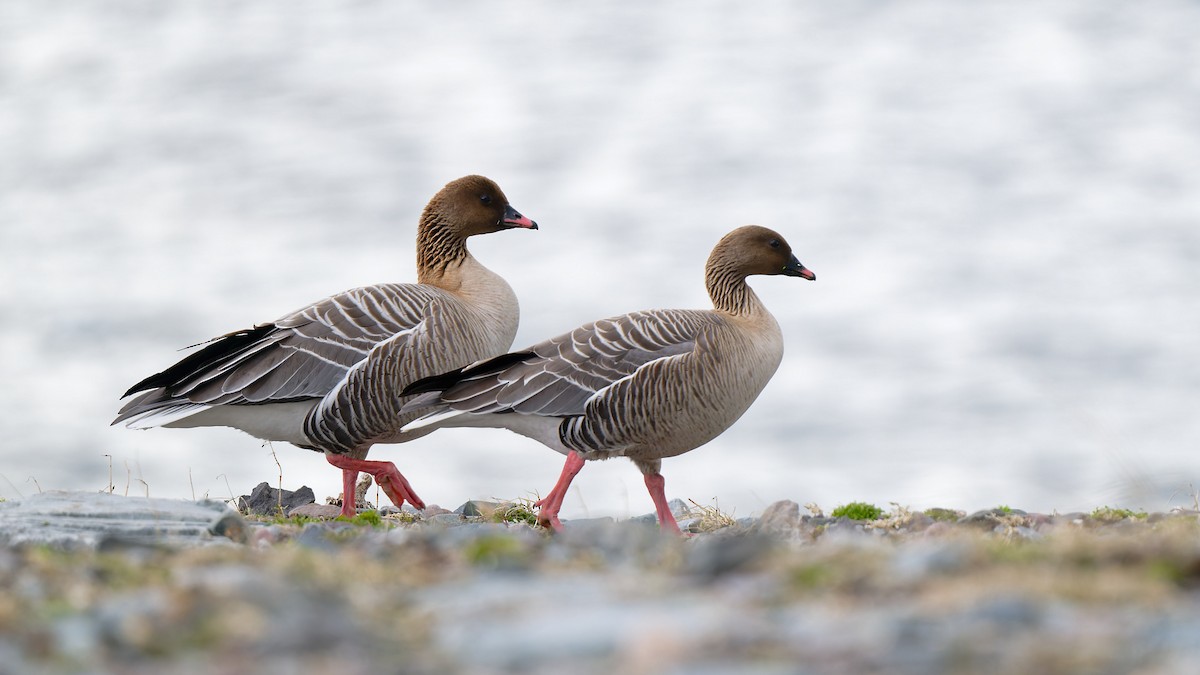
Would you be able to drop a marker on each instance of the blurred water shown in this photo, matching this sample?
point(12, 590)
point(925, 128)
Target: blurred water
point(1000, 201)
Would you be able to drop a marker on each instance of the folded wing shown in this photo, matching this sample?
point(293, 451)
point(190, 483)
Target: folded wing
point(557, 378)
point(303, 355)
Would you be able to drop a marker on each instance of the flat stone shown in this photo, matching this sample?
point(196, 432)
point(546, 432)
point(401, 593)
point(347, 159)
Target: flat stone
point(325, 511)
point(89, 520)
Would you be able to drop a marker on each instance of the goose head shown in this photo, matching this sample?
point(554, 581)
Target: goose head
point(476, 205)
point(753, 249)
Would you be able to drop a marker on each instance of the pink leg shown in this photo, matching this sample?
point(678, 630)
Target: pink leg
point(349, 483)
point(655, 483)
point(552, 502)
point(387, 476)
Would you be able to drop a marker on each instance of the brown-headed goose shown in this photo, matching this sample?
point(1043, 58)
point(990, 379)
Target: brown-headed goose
point(328, 377)
point(645, 385)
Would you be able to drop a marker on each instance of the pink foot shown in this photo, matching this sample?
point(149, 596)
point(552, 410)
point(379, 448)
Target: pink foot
point(656, 484)
point(387, 476)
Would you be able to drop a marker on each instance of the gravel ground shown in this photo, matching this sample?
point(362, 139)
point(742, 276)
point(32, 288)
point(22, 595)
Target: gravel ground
point(998, 591)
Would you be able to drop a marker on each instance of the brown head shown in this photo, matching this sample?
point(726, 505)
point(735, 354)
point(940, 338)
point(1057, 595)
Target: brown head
point(745, 251)
point(465, 207)
point(474, 205)
point(757, 250)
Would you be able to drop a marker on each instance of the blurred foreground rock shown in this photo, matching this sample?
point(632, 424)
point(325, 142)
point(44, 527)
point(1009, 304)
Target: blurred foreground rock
point(441, 592)
point(97, 519)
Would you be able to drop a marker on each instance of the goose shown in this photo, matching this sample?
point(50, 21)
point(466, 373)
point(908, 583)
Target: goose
point(328, 377)
point(645, 385)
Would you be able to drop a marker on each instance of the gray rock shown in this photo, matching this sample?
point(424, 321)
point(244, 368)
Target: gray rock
point(1008, 612)
point(617, 542)
point(477, 507)
point(324, 536)
point(1027, 533)
point(232, 526)
point(586, 524)
point(782, 517)
point(916, 522)
point(726, 551)
point(265, 500)
point(445, 519)
point(988, 519)
point(921, 558)
point(391, 510)
point(679, 508)
point(89, 520)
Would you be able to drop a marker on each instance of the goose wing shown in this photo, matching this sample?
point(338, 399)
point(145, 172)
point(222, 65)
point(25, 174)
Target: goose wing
point(303, 355)
point(558, 377)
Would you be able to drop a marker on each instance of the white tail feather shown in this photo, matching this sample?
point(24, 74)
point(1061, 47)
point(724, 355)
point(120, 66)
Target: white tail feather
point(161, 417)
point(431, 419)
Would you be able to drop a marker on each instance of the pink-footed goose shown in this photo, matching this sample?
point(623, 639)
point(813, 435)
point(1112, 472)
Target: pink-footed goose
point(328, 377)
point(645, 385)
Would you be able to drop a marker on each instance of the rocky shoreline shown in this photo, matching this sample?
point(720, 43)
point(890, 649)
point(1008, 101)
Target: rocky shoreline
point(108, 584)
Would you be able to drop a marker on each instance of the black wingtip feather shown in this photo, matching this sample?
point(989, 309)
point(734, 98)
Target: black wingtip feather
point(216, 350)
point(449, 379)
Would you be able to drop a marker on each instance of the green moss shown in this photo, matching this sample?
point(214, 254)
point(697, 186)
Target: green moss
point(371, 518)
point(943, 515)
point(520, 511)
point(496, 551)
point(1004, 508)
point(280, 519)
point(811, 576)
point(858, 511)
point(1110, 515)
point(404, 517)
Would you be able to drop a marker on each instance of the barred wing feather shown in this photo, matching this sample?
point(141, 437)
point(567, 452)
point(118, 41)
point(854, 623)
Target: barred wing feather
point(303, 355)
point(556, 378)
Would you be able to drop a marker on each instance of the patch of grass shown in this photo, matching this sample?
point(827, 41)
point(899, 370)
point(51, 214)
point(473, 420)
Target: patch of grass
point(403, 517)
point(858, 511)
point(496, 551)
point(811, 576)
point(1108, 514)
point(711, 517)
point(519, 511)
point(280, 519)
point(944, 515)
point(1005, 509)
point(371, 518)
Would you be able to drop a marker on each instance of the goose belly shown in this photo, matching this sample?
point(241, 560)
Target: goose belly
point(269, 421)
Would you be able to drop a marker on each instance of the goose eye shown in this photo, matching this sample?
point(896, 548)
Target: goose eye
point(486, 199)
point(774, 243)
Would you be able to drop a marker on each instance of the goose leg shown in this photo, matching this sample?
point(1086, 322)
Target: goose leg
point(387, 476)
point(656, 484)
point(349, 480)
point(549, 505)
